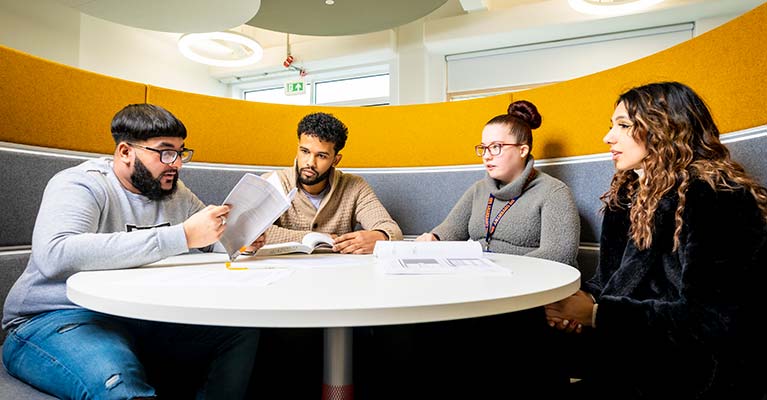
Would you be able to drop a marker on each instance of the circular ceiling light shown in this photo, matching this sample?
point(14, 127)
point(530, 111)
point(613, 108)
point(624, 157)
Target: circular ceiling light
point(221, 49)
point(611, 7)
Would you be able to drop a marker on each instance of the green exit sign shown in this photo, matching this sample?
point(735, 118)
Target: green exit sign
point(293, 88)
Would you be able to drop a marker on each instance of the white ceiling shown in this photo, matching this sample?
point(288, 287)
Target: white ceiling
point(302, 17)
point(183, 16)
point(343, 17)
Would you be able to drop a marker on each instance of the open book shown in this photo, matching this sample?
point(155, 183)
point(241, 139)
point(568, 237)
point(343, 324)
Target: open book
point(256, 203)
point(311, 243)
point(441, 257)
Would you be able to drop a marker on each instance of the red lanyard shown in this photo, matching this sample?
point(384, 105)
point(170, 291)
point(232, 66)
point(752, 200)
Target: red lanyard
point(490, 228)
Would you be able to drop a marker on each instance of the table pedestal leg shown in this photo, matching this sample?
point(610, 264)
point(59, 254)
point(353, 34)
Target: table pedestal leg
point(337, 379)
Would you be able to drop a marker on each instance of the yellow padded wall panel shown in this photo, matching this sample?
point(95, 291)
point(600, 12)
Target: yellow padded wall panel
point(54, 105)
point(726, 66)
point(234, 131)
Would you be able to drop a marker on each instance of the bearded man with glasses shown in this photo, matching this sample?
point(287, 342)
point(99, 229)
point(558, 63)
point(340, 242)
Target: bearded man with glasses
point(114, 213)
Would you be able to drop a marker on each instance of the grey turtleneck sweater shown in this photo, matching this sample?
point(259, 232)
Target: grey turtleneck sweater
point(542, 223)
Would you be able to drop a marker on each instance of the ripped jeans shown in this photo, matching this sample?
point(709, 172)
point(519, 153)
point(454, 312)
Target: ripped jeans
point(82, 354)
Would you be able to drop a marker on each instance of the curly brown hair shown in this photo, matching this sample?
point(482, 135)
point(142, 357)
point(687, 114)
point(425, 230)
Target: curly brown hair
point(682, 142)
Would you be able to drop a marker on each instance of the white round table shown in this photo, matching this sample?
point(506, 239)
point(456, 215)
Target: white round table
point(335, 292)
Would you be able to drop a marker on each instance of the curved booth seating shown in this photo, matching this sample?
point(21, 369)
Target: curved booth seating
point(418, 198)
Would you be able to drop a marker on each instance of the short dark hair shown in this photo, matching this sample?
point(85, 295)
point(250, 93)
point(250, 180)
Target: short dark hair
point(139, 122)
point(326, 127)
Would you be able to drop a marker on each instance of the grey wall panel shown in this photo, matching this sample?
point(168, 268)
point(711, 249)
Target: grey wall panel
point(752, 155)
point(588, 181)
point(418, 199)
point(22, 182)
point(211, 186)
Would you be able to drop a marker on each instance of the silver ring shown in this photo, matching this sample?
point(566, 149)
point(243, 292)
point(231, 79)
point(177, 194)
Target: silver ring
point(223, 220)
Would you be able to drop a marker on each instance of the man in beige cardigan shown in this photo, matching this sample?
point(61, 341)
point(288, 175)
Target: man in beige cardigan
point(329, 200)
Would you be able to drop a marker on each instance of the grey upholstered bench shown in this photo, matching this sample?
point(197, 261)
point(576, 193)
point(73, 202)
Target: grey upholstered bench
point(12, 264)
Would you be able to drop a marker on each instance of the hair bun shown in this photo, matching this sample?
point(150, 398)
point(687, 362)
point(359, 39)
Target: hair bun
point(526, 111)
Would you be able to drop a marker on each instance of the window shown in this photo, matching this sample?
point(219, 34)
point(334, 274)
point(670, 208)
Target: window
point(476, 94)
point(521, 66)
point(361, 91)
point(368, 87)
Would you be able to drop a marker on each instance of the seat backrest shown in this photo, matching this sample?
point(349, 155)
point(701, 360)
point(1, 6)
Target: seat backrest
point(12, 264)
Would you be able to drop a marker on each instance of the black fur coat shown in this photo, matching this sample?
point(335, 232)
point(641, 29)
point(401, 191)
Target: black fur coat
point(683, 324)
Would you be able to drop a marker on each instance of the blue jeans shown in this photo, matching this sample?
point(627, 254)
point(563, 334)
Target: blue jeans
point(81, 354)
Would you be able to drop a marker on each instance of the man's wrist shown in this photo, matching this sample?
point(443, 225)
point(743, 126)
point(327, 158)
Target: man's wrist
point(386, 235)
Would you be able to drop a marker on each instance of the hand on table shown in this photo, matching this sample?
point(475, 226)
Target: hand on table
point(359, 242)
point(426, 237)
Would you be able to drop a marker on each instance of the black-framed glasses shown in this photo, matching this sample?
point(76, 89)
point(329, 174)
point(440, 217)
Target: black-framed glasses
point(493, 148)
point(169, 156)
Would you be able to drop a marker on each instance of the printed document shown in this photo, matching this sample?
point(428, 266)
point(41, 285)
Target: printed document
point(440, 257)
point(256, 203)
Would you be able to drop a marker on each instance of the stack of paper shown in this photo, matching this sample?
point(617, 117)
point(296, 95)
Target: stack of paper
point(441, 257)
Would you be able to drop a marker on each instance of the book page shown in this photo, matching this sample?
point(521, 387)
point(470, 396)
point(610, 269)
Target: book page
point(440, 257)
point(283, 248)
point(311, 242)
point(256, 204)
point(317, 239)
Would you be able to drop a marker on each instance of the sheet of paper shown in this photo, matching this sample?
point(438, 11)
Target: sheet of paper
point(443, 257)
point(216, 275)
point(256, 204)
point(192, 259)
point(310, 261)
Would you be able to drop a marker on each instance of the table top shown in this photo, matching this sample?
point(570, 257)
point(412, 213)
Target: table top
point(338, 291)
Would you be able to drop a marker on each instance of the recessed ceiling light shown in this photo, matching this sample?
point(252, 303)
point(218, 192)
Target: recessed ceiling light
point(611, 7)
point(221, 49)
point(330, 2)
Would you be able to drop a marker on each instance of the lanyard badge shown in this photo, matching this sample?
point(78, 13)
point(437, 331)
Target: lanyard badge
point(490, 228)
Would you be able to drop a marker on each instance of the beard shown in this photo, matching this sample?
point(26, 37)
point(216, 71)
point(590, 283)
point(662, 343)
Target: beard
point(148, 185)
point(318, 178)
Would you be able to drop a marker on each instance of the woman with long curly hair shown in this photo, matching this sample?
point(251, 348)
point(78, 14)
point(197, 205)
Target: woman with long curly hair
point(673, 308)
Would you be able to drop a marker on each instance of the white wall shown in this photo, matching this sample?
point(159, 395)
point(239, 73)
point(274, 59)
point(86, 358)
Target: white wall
point(42, 28)
point(55, 32)
point(143, 56)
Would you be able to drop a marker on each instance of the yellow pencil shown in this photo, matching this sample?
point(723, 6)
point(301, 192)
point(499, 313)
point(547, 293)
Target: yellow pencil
point(229, 267)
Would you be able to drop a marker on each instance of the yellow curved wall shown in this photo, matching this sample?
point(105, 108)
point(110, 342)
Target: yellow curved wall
point(52, 105)
point(265, 134)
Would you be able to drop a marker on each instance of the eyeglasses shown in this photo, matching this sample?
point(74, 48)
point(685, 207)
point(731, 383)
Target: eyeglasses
point(493, 148)
point(169, 156)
